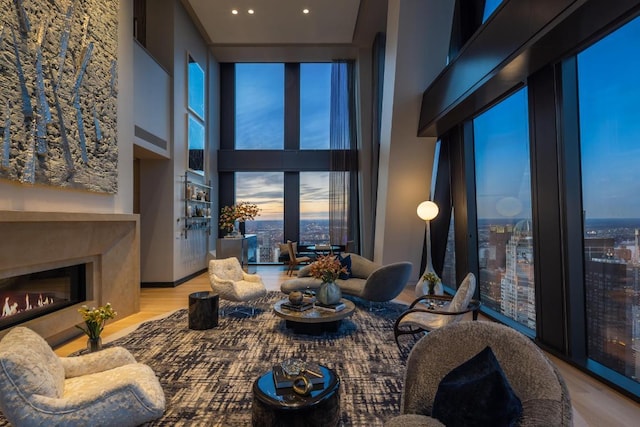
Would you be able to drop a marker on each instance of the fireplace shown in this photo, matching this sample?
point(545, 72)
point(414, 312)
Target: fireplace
point(28, 296)
point(106, 244)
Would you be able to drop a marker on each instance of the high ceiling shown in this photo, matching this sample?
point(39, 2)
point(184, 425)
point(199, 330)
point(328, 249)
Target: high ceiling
point(279, 30)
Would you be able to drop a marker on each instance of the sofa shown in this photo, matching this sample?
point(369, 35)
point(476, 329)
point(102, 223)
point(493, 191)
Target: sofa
point(106, 388)
point(368, 280)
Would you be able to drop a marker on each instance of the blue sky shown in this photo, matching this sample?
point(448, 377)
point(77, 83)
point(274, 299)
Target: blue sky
point(609, 91)
point(196, 88)
point(260, 125)
point(489, 7)
point(609, 129)
point(503, 181)
point(315, 105)
point(260, 106)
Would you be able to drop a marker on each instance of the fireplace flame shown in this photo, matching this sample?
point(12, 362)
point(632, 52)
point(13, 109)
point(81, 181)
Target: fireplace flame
point(10, 307)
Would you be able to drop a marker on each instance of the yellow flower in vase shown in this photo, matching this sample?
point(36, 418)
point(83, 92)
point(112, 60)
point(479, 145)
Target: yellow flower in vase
point(432, 280)
point(94, 321)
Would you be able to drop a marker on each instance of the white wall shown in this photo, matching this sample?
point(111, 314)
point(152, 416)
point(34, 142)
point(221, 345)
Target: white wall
point(41, 198)
point(152, 112)
point(190, 253)
point(416, 49)
point(152, 100)
point(167, 256)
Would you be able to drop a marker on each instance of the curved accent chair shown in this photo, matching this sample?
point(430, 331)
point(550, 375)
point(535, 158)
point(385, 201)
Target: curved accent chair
point(532, 376)
point(368, 280)
point(105, 388)
point(431, 312)
point(230, 282)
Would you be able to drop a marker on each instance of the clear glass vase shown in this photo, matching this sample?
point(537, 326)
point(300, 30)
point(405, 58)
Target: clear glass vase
point(94, 344)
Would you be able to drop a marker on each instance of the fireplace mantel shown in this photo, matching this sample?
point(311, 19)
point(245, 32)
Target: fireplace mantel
point(108, 243)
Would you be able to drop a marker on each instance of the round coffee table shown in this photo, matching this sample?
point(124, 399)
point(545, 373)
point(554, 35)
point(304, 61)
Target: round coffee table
point(283, 407)
point(314, 320)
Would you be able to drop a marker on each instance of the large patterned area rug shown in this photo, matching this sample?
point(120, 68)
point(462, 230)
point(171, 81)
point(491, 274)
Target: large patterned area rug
point(207, 375)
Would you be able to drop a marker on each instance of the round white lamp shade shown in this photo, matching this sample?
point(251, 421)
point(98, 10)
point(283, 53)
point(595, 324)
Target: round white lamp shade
point(427, 210)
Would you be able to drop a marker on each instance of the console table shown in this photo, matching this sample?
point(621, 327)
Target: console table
point(244, 248)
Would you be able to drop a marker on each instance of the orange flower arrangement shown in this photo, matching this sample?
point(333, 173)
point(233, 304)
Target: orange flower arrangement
point(243, 211)
point(327, 268)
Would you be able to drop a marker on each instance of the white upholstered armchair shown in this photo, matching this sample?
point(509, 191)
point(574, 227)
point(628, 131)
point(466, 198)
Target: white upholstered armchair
point(232, 283)
point(105, 388)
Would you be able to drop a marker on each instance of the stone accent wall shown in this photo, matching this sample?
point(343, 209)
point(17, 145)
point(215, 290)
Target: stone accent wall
point(58, 84)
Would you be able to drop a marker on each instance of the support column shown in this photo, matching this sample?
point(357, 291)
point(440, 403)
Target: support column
point(416, 51)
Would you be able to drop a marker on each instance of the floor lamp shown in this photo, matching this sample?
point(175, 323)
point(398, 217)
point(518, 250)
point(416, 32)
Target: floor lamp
point(427, 211)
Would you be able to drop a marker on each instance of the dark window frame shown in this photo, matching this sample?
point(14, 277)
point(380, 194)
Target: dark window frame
point(291, 160)
point(551, 77)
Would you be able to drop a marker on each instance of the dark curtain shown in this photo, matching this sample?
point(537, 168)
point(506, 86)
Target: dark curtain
point(376, 122)
point(342, 142)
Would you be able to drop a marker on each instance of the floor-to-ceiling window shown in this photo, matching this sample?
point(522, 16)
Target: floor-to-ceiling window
point(609, 93)
point(503, 203)
point(279, 131)
point(570, 224)
point(265, 189)
point(315, 107)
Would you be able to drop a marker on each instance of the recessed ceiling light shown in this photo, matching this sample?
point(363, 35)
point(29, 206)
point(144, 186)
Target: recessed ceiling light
point(250, 11)
point(305, 11)
point(234, 11)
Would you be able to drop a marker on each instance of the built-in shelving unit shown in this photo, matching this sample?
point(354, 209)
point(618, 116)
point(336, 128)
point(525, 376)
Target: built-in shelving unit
point(197, 206)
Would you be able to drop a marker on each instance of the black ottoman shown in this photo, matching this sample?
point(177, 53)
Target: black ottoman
point(203, 310)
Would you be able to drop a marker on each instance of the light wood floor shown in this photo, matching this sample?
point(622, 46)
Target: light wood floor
point(595, 404)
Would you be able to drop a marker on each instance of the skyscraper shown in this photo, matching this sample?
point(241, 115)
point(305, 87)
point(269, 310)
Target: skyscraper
point(609, 294)
point(517, 291)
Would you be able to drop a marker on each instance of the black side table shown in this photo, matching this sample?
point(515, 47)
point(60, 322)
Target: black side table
point(283, 407)
point(203, 310)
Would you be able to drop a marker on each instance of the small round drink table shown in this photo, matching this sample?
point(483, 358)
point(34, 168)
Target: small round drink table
point(283, 407)
point(203, 310)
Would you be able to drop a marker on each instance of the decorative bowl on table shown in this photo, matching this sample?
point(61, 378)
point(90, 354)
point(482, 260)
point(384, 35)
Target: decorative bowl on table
point(296, 297)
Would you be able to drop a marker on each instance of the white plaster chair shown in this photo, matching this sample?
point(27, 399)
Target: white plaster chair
point(431, 312)
point(106, 388)
point(230, 282)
